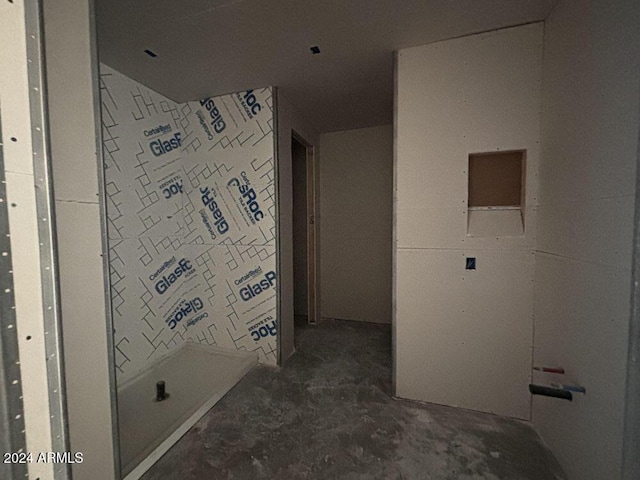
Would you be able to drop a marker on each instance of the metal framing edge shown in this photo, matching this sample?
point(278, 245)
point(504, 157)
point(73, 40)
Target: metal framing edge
point(12, 439)
point(106, 264)
point(394, 233)
point(276, 176)
point(46, 233)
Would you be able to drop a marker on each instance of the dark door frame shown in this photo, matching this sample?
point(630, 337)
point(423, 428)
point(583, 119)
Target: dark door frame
point(312, 237)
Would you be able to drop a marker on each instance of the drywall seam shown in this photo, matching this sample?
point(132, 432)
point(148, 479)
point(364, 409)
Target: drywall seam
point(631, 439)
point(394, 233)
point(537, 204)
point(589, 199)
point(581, 260)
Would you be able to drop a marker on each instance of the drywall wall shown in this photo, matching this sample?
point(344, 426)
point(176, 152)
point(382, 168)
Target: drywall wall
point(73, 102)
point(464, 337)
point(300, 261)
point(585, 227)
point(190, 204)
point(631, 437)
point(356, 176)
point(289, 121)
point(28, 410)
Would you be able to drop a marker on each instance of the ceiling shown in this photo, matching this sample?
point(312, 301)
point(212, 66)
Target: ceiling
point(212, 47)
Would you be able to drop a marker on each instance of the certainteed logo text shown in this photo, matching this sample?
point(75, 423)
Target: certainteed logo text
point(213, 118)
point(159, 130)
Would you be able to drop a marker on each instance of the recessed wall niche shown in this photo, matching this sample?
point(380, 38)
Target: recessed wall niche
point(496, 193)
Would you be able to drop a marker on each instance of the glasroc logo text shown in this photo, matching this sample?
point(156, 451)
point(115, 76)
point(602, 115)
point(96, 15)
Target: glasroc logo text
point(249, 102)
point(248, 197)
point(215, 118)
point(185, 309)
point(161, 147)
point(165, 283)
point(218, 217)
point(252, 291)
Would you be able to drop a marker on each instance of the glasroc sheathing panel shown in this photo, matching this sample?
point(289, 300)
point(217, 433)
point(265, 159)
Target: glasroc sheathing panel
point(191, 214)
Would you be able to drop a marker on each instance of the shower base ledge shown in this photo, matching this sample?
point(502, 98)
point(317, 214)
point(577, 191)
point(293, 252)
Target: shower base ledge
point(196, 378)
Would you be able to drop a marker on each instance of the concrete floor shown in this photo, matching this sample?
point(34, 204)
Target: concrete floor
point(328, 414)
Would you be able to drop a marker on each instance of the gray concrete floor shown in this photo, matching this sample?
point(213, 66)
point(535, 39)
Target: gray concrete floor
point(328, 414)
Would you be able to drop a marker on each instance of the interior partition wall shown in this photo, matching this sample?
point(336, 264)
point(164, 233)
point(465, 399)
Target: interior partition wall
point(464, 276)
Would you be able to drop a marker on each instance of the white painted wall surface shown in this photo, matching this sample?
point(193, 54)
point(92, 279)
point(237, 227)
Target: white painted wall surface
point(356, 178)
point(288, 120)
point(464, 338)
point(585, 225)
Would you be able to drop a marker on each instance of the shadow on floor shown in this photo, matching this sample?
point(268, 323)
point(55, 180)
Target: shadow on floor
point(328, 414)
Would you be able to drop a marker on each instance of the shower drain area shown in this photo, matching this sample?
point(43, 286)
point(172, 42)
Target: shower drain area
point(161, 404)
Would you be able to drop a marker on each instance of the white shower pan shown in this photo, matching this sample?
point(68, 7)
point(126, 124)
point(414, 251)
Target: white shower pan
point(196, 378)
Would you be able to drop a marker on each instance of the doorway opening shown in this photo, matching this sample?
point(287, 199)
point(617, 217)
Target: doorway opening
point(304, 247)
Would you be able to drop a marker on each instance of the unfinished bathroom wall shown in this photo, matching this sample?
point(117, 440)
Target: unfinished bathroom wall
point(464, 277)
point(74, 126)
point(356, 177)
point(191, 217)
point(588, 161)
